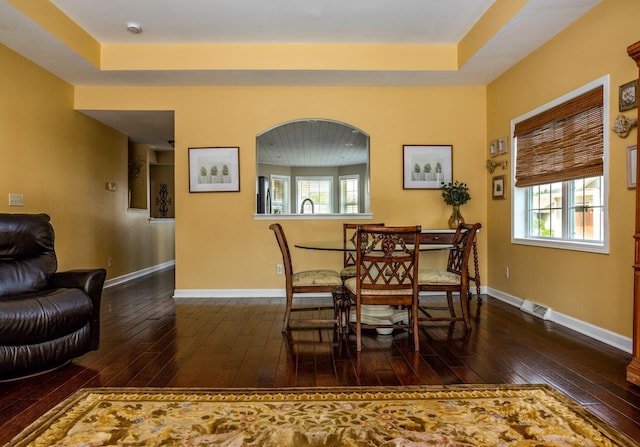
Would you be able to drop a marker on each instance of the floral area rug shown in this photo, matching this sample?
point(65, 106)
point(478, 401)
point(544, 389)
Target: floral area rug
point(458, 415)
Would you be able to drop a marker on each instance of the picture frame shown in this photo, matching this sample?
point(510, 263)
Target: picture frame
point(497, 190)
point(493, 148)
point(503, 147)
point(426, 166)
point(628, 96)
point(214, 169)
point(632, 163)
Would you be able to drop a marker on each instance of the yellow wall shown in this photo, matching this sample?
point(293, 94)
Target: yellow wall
point(219, 244)
point(594, 288)
point(60, 161)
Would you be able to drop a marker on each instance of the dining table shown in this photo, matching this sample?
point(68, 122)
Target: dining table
point(370, 314)
point(338, 245)
point(431, 240)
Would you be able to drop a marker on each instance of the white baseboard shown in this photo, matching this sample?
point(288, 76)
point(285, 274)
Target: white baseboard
point(611, 338)
point(138, 274)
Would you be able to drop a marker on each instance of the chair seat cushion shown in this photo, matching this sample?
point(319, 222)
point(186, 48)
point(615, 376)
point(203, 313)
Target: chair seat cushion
point(348, 272)
point(316, 278)
point(428, 276)
point(350, 284)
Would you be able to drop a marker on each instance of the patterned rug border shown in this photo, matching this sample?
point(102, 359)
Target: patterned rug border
point(355, 393)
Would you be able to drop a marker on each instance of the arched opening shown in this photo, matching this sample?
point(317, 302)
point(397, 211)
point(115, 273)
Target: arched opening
point(315, 166)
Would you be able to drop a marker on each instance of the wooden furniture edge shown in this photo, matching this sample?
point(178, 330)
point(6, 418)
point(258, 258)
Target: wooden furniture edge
point(633, 369)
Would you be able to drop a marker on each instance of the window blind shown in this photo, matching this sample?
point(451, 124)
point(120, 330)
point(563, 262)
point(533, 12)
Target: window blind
point(562, 143)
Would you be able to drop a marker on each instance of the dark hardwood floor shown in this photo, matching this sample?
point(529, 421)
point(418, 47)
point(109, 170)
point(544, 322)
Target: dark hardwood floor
point(148, 339)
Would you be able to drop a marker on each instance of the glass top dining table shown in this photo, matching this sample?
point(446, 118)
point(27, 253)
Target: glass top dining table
point(338, 245)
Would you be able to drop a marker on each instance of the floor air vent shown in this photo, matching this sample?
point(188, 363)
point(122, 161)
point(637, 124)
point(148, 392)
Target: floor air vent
point(536, 310)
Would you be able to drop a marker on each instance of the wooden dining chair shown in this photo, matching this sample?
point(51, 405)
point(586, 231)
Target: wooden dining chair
point(349, 231)
point(309, 281)
point(386, 274)
point(455, 278)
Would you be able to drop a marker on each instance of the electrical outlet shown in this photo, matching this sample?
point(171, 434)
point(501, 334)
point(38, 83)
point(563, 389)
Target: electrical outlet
point(279, 270)
point(109, 262)
point(506, 272)
point(16, 199)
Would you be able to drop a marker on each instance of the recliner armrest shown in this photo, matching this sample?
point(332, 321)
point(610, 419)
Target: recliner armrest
point(91, 281)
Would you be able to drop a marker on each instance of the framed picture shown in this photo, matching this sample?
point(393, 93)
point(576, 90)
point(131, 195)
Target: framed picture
point(498, 187)
point(632, 160)
point(503, 148)
point(628, 96)
point(426, 167)
point(493, 148)
point(214, 169)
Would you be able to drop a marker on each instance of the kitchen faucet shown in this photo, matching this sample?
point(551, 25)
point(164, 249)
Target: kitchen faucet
point(303, 203)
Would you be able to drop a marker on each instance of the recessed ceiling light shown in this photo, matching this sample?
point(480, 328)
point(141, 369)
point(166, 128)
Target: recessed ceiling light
point(134, 27)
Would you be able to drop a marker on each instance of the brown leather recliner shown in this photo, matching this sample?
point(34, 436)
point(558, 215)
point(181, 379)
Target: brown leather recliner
point(46, 317)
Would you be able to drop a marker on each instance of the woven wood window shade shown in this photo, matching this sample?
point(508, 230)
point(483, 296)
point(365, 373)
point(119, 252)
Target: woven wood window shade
point(563, 143)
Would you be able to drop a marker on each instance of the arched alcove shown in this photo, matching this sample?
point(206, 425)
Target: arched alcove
point(314, 166)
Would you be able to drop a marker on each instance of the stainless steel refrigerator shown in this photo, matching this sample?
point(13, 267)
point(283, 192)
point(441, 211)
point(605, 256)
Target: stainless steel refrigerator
point(264, 196)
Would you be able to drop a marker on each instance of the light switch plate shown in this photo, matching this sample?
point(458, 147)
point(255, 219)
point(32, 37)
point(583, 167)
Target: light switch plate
point(16, 199)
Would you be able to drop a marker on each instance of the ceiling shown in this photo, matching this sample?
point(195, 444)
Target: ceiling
point(230, 22)
point(311, 142)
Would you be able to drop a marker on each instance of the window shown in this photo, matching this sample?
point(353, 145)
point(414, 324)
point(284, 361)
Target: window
point(313, 195)
point(570, 210)
point(281, 198)
point(349, 193)
point(560, 172)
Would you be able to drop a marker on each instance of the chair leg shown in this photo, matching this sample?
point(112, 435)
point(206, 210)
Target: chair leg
point(476, 272)
point(464, 304)
point(452, 309)
point(414, 320)
point(346, 311)
point(358, 329)
point(287, 312)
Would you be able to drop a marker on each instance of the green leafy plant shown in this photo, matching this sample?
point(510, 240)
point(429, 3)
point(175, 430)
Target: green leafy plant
point(214, 170)
point(225, 170)
point(455, 193)
point(416, 168)
point(542, 231)
point(203, 171)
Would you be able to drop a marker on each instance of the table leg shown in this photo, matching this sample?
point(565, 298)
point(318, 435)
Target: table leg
point(341, 306)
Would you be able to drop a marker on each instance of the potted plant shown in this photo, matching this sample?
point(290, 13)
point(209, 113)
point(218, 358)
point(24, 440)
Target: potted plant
point(455, 194)
point(214, 174)
point(225, 174)
point(416, 172)
point(203, 175)
point(427, 171)
point(438, 171)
